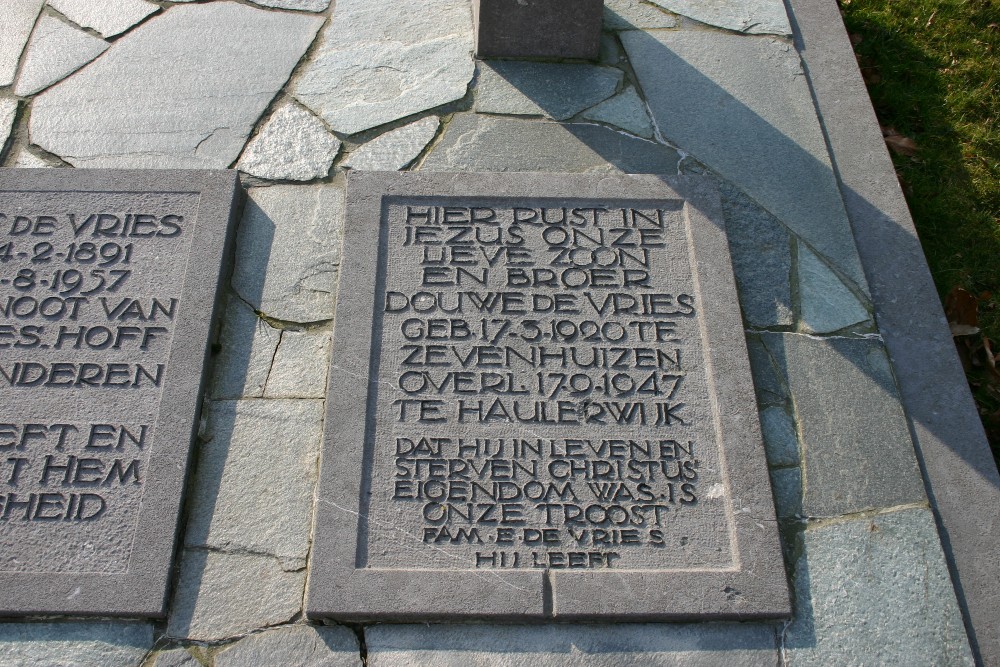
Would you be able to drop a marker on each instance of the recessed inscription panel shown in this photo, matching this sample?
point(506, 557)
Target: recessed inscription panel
point(557, 406)
point(100, 358)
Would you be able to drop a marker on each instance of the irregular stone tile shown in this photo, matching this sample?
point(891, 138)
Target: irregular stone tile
point(625, 110)
point(288, 251)
point(826, 305)
point(108, 17)
point(787, 485)
point(8, 112)
point(299, 645)
point(223, 60)
point(632, 14)
point(611, 52)
point(748, 16)
point(779, 437)
point(55, 51)
point(300, 366)
point(553, 90)
point(246, 355)
point(742, 106)
point(394, 150)
point(302, 5)
point(381, 60)
point(769, 381)
point(17, 18)
point(241, 504)
point(856, 447)
point(177, 657)
point(80, 644)
point(220, 595)
point(28, 160)
point(293, 145)
point(875, 592)
point(472, 142)
point(554, 645)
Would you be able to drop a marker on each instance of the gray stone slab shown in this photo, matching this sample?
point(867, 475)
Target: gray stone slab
point(301, 363)
point(109, 17)
point(956, 458)
point(748, 16)
point(826, 304)
point(225, 61)
point(552, 90)
point(17, 18)
point(633, 645)
point(395, 149)
point(779, 436)
point(177, 657)
point(8, 112)
point(769, 380)
point(633, 14)
point(473, 142)
point(55, 51)
point(382, 60)
point(246, 353)
point(28, 160)
point(538, 28)
point(107, 298)
point(787, 484)
point(299, 645)
point(575, 539)
point(80, 644)
point(293, 145)
point(302, 5)
point(627, 111)
point(741, 106)
point(855, 440)
point(875, 591)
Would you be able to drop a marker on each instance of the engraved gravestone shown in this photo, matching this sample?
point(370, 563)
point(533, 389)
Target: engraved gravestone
point(108, 283)
point(541, 407)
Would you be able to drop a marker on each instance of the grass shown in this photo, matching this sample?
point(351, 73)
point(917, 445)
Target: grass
point(933, 72)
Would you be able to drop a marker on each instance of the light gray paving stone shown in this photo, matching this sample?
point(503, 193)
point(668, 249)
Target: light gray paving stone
point(298, 645)
point(381, 60)
point(17, 18)
point(779, 437)
point(632, 14)
point(246, 355)
point(769, 381)
point(826, 305)
point(302, 5)
point(288, 251)
point(55, 51)
point(225, 61)
point(293, 145)
point(28, 160)
point(74, 644)
point(742, 106)
point(747, 16)
point(300, 366)
point(8, 112)
point(474, 142)
point(108, 17)
point(220, 595)
point(875, 592)
point(856, 447)
point(609, 645)
point(394, 150)
point(553, 90)
point(244, 505)
point(625, 110)
point(177, 657)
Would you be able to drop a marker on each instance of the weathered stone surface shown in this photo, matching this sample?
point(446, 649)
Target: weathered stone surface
point(226, 61)
point(381, 60)
point(288, 251)
point(632, 14)
point(301, 363)
point(748, 16)
point(17, 18)
point(851, 423)
point(243, 506)
point(746, 113)
point(246, 355)
point(769, 380)
point(537, 28)
point(108, 17)
point(293, 145)
point(633, 645)
point(826, 305)
point(302, 5)
point(28, 160)
point(553, 90)
point(787, 485)
point(299, 645)
point(473, 142)
point(625, 110)
point(177, 657)
point(219, 595)
point(885, 574)
point(779, 437)
point(55, 51)
point(76, 644)
point(8, 112)
point(394, 150)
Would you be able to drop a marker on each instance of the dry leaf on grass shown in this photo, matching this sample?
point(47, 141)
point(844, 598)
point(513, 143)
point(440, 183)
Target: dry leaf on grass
point(899, 144)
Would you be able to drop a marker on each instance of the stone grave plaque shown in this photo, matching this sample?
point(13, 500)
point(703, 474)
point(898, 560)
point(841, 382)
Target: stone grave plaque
point(108, 283)
point(541, 407)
